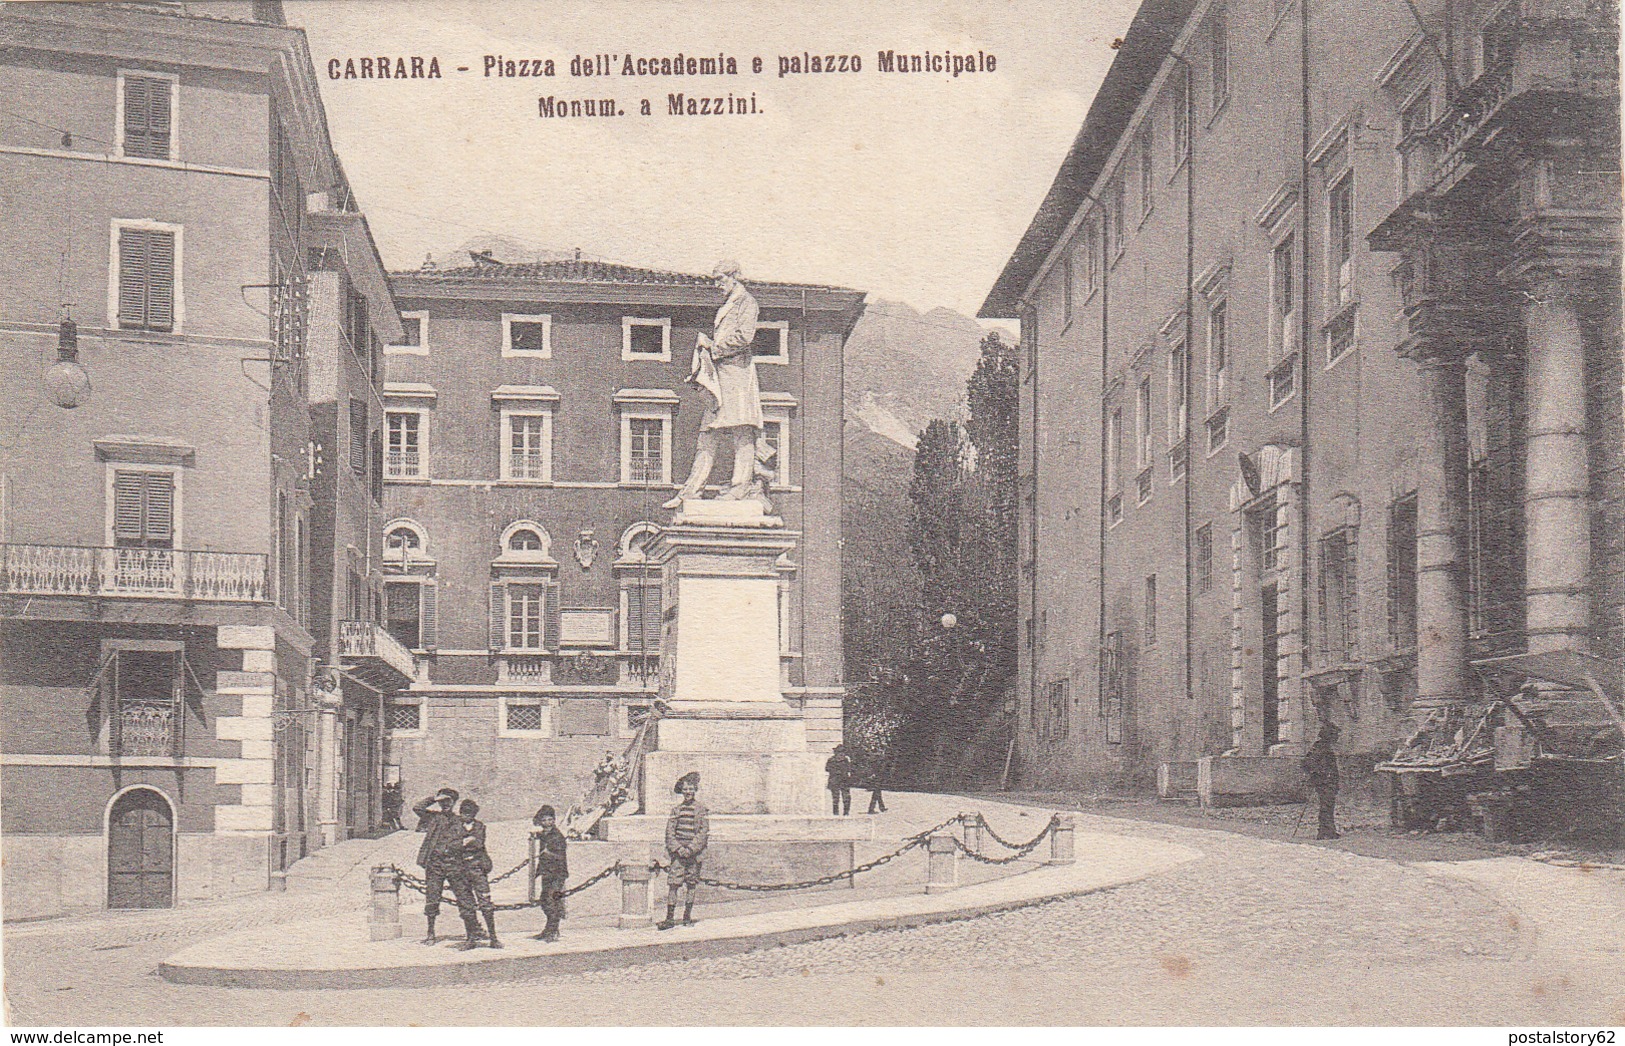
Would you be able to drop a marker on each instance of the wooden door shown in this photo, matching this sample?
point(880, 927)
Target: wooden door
point(140, 852)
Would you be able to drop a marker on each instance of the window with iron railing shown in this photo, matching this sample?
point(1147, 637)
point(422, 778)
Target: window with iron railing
point(404, 452)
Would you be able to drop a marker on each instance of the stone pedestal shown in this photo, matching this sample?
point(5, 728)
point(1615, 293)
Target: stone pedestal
point(719, 669)
point(726, 716)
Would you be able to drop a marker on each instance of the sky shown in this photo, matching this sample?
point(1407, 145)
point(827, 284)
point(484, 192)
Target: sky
point(913, 187)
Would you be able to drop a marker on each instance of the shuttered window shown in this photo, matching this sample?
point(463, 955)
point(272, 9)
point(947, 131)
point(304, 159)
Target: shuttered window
point(358, 436)
point(643, 618)
point(525, 613)
point(147, 117)
point(146, 279)
point(143, 509)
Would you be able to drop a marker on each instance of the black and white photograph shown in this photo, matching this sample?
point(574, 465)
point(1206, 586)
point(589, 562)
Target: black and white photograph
point(710, 514)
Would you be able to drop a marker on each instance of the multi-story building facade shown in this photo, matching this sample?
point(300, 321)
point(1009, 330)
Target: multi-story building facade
point(537, 420)
point(1321, 391)
point(160, 575)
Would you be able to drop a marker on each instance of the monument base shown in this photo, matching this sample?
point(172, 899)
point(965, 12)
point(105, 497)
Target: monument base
point(753, 849)
point(751, 756)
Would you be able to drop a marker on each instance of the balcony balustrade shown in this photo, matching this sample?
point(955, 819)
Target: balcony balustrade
point(375, 655)
point(163, 573)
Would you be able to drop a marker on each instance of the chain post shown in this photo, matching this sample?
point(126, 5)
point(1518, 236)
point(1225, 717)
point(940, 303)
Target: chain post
point(530, 885)
point(973, 831)
point(1060, 840)
point(385, 923)
point(942, 863)
point(636, 879)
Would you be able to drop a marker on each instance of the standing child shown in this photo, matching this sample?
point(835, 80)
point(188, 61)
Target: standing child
point(475, 894)
point(688, 830)
point(552, 870)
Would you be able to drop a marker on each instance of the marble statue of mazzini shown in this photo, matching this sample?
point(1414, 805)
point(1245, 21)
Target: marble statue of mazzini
point(725, 367)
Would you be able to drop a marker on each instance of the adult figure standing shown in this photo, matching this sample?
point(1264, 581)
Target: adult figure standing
point(441, 855)
point(839, 769)
point(725, 367)
point(1320, 764)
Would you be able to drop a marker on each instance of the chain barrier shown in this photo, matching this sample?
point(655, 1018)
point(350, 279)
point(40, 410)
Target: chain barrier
point(412, 882)
point(522, 864)
point(1017, 846)
point(918, 839)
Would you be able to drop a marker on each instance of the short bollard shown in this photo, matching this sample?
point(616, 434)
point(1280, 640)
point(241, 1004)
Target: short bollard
point(941, 864)
point(385, 923)
point(635, 911)
point(278, 882)
point(973, 832)
point(1060, 840)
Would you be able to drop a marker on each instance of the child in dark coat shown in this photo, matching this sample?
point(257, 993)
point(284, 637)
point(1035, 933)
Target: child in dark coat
point(552, 870)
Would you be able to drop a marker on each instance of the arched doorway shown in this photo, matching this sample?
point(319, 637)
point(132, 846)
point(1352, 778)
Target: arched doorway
point(140, 850)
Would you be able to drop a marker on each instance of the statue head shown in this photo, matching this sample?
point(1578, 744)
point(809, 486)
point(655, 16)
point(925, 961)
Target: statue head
point(726, 273)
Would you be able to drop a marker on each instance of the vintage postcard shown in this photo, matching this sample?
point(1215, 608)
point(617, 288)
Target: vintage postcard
point(811, 513)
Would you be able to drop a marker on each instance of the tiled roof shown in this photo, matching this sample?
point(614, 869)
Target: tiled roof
point(578, 271)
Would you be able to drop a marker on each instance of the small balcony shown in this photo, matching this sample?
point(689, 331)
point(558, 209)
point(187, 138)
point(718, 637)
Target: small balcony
point(375, 656)
point(1542, 63)
point(145, 731)
point(157, 573)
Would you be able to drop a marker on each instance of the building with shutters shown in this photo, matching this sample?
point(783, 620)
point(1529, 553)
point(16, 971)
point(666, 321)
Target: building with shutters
point(537, 417)
point(1321, 370)
point(184, 548)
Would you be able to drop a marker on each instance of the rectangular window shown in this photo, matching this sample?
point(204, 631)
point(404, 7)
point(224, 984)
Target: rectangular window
point(772, 342)
point(1151, 610)
point(358, 436)
point(1272, 521)
point(143, 688)
point(1339, 630)
point(143, 509)
point(643, 618)
point(1204, 557)
point(1066, 290)
point(526, 611)
point(1148, 174)
point(1219, 56)
point(1402, 573)
point(1218, 430)
point(1115, 233)
point(1178, 381)
point(405, 716)
point(1283, 298)
point(1180, 114)
point(146, 279)
point(403, 613)
point(1060, 707)
point(1340, 336)
point(1283, 381)
point(1091, 258)
point(527, 336)
point(1218, 355)
point(404, 455)
point(414, 336)
point(1415, 117)
point(1340, 240)
point(645, 339)
point(646, 456)
point(146, 126)
point(1142, 424)
point(1114, 449)
point(358, 324)
point(527, 446)
point(523, 715)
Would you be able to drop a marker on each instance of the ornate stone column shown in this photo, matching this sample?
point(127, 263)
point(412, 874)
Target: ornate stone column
point(1441, 513)
point(1556, 514)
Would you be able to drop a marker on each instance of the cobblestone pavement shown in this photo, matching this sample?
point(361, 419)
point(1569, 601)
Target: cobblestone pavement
point(1257, 931)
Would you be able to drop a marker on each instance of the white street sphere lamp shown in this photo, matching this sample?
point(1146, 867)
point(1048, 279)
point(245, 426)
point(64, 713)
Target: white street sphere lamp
point(949, 620)
point(65, 380)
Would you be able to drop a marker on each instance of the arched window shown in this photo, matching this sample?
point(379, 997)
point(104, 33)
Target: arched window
point(405, 540)
point(528, 541)
point(635, 541)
